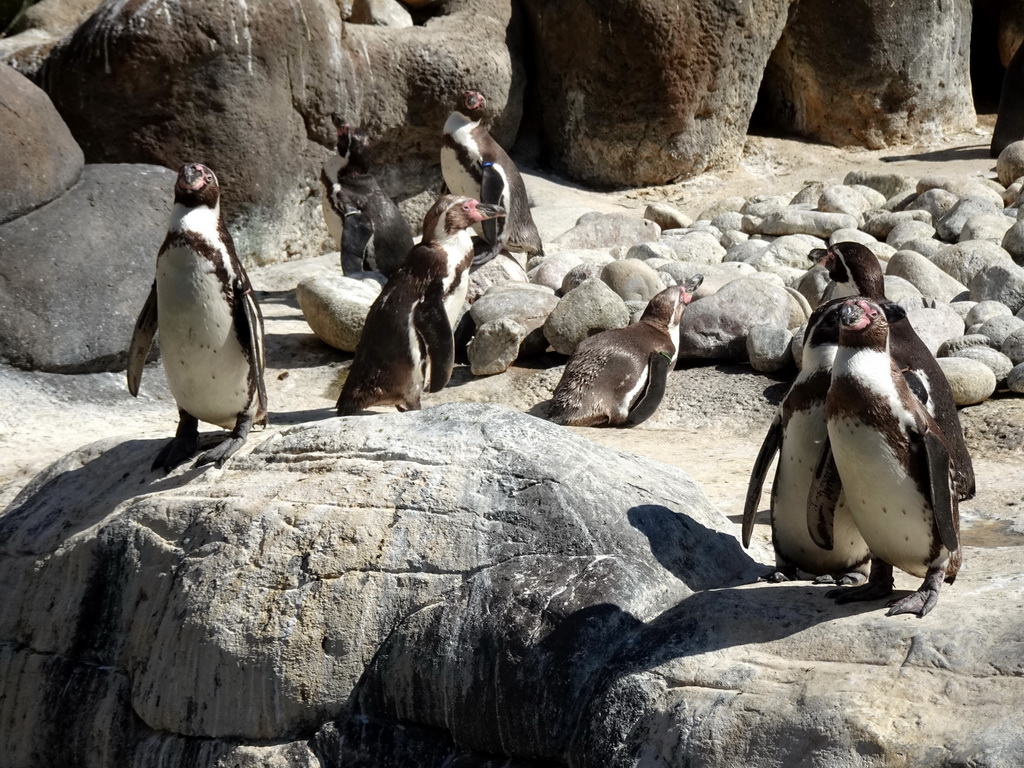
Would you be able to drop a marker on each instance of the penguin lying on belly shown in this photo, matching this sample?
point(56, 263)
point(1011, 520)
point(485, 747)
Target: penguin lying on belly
point(211, 328)
point(890, 459)
point(618, 377)
point(474, 165)
point(407, 345)
point(367, 226)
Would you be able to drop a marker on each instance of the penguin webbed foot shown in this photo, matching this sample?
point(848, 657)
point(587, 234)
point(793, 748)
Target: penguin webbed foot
point(851, 579)
point(225, 449)
point(879, 585)
point(778, 575)
point(181, 447)
point(923, 600)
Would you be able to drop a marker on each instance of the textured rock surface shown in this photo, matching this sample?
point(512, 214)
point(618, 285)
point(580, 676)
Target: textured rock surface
point(408, 566)
point(635, 93)
point(717, 327)
point(39, 157)
point(75, 273)
point(335, 306)
point(877, 86)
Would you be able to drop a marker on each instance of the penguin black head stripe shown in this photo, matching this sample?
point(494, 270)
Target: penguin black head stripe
point(853, 268)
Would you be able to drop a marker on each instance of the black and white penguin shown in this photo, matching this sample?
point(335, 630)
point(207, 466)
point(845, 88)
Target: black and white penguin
point(618, 377)
point(474, 165)
point(211, 328)
point(890, 459)
point(407, 346)
point(798, 434)
point(369, 230)
point(856, 272)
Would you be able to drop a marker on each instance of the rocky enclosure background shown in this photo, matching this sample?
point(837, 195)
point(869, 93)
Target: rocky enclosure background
point(470, 586)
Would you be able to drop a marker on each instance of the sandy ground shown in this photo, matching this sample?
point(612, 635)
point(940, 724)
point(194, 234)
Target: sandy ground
point(710, 424)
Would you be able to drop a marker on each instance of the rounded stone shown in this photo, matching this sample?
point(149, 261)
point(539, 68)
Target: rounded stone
point(931, 281)
point(1010, 163)
point(996, 361)
point(585, 310)
point(579, 274)
point(769, 348)
point(984, 311)
point(696, 247)
point(1000, 282)
point(936, 325)
point(335, 307)
point(970, 381)
point(987, 226)
point(632, 280)
point(666, 216)
point(848, 235)
point(966, 259)
point(951, 347)
point(1013, 347)
point(999, 328)
point(908, 231)
point(495, 346)
point(1015, 379)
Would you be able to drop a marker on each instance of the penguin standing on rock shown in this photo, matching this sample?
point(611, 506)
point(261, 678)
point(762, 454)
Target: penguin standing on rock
point(892, 463)
point(211, 328)
point(618, 377)
point(856, 272)
point(407, 345)
point(367, 226)
point(474, 165)
point(798, 434)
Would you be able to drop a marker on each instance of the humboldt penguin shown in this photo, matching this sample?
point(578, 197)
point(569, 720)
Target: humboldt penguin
point(856, 272)
point(618, 377)
point(474, 165)
point(797, 434)
point(369, 230)
point(891, 461)
point(407, 345)
point(211, 328)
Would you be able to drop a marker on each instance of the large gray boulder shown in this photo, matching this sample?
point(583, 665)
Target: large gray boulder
point(75, 274)
point(468, 568)
point(717, 326)
point(248, 88)
point(893, 72)
point(636, 92)
point(37, 152)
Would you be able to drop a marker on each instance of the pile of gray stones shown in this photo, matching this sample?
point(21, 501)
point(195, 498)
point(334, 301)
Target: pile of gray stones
point(952, 250)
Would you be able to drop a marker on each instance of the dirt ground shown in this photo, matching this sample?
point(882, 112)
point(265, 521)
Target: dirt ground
point(710, 424)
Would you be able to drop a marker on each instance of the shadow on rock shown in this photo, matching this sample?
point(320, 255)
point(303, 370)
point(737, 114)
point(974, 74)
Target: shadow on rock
point(672, 536)
point(33, 523)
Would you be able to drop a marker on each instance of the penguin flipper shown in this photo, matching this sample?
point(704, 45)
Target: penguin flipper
point(657, 381)
point(826, 487)
point(357, 234)
point(944, 501)
point(492, 189)
point(435, 331)
point(142, 341)
point(770, 446)
point(249, 327)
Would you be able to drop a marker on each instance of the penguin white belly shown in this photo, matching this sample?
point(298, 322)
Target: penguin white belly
point(887, 507)
point(620, 410)
point(798, 457)
point(458, 179)
point(207, 370)
point(335, 227)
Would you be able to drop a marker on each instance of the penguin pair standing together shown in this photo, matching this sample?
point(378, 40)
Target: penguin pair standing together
point(872, 461)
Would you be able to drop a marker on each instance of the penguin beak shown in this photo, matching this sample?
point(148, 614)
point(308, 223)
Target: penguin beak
point(690, 287)
point(192, 176)
point(820, 256)
point(856, 314)
point(488, 211)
